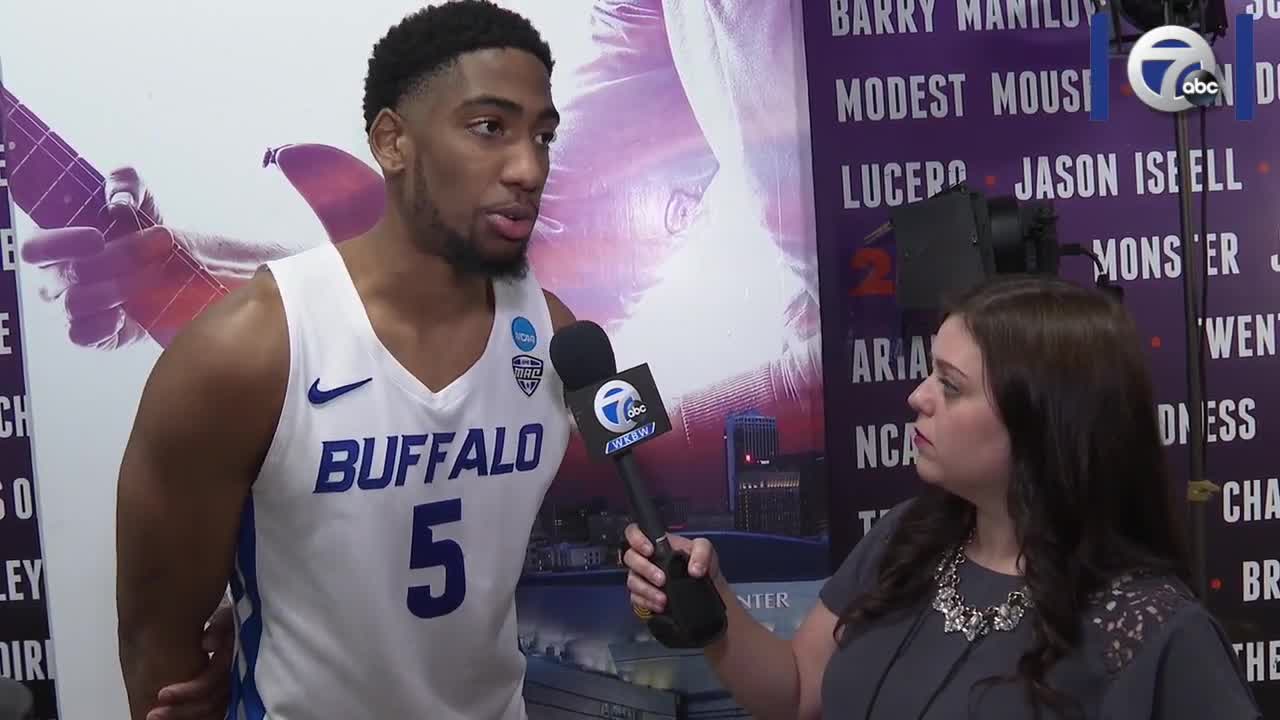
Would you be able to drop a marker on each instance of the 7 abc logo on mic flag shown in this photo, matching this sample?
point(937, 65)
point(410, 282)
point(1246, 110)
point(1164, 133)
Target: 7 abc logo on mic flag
point(619, 412)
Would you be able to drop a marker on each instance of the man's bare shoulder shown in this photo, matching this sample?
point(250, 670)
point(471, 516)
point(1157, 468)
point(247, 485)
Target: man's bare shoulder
point(561, 315)
point(212, 402)
point(232, 359)
point(241, 335)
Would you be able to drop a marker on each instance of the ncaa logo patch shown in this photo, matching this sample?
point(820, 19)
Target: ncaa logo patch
point(522, 332)
point(528, 372)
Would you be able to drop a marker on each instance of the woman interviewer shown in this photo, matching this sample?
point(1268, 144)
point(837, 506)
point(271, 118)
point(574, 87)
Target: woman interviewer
point(1041, 573)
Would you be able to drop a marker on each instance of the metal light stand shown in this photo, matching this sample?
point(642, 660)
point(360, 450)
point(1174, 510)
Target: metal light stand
point(1200, 489)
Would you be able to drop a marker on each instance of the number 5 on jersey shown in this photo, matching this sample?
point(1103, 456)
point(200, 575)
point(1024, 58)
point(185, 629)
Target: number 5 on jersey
point(427, 552)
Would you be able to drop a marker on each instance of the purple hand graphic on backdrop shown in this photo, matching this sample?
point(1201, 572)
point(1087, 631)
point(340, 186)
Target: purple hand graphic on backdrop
point(117, 283)
point(104, 252)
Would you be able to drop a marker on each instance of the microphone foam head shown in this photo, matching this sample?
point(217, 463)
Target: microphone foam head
point(582, 354)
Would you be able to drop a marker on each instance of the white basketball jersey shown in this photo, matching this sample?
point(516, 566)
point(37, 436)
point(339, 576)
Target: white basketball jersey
point(381, 544)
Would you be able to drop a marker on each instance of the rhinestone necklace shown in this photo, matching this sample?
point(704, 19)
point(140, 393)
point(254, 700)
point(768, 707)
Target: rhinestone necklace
point(971, 621)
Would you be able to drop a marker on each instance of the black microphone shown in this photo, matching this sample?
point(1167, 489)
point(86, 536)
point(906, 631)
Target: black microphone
point(615, 413)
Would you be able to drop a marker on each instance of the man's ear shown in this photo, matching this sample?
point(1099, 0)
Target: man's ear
point(390, 142)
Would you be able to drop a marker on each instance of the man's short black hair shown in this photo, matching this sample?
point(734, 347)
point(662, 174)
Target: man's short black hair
point(427, 41)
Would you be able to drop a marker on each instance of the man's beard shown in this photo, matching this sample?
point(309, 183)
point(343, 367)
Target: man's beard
point(461, 252)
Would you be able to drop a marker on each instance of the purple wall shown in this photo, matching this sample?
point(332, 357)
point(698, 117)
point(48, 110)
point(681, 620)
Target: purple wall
point(26, 652)
point(961, 117)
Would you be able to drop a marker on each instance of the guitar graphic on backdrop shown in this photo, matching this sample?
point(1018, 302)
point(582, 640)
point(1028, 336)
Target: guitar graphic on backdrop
point(58, 188)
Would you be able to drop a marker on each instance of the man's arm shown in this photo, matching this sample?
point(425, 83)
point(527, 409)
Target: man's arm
point(205, 421)
point(561, 315)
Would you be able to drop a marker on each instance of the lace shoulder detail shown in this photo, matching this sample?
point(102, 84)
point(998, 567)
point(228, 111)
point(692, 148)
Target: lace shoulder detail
point(1130, 609)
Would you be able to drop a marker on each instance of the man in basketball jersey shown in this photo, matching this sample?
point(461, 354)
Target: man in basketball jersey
point(358, 440)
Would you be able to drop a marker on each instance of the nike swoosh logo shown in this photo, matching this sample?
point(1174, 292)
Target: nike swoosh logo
point(320, 397)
